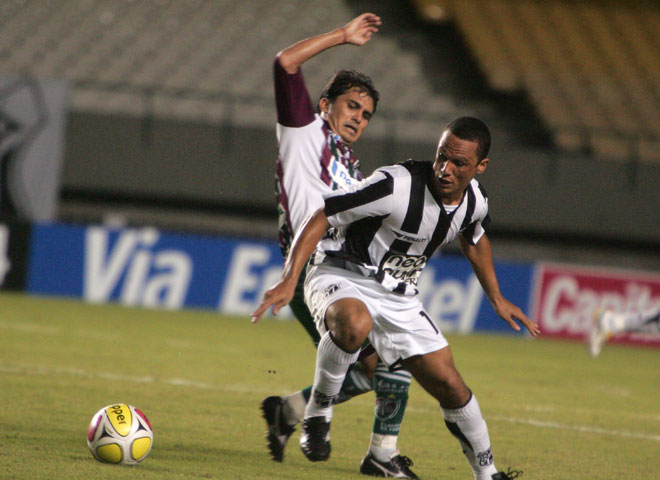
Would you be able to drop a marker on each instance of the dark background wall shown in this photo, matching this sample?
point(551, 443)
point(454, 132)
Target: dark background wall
point(225, 169)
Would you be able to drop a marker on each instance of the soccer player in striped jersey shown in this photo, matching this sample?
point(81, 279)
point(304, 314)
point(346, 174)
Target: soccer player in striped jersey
point(607, 323)
point(362, 283)
point(315, 158)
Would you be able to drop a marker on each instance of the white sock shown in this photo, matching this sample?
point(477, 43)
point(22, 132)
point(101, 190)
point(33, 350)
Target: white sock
point(641, 322)
point(469, 427)
point(615, 322)
point(383, 447)
point(331, 366)
point(294, 408)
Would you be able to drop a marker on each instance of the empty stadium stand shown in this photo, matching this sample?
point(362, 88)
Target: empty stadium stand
point(188, 58)
point(591, 68)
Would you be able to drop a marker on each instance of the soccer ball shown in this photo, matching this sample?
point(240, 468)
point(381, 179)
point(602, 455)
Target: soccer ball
point(120, 433)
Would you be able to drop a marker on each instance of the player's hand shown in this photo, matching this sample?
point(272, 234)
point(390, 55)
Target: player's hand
point(511, 313)
point(359, 30)
point(277, 296)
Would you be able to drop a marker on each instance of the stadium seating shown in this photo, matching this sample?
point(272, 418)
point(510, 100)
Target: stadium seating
point(591, 69)
point(191, 58)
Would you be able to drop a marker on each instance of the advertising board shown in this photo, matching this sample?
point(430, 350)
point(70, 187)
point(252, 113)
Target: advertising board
point(148, 268)
point(565, 297)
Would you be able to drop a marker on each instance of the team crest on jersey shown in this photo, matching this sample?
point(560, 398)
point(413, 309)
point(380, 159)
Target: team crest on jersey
point(404, 268)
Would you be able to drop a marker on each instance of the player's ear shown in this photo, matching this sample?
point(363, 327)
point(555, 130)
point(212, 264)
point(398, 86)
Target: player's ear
point(324, 105)
point(481, 167)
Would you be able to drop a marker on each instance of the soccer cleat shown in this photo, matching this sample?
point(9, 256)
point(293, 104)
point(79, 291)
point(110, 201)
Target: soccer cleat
point(508, 475)
point(315, 439)
point(397, 467)
point(599, 333)
point(278, 430)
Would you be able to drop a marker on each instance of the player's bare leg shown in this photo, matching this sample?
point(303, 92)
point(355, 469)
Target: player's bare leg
point(607, 323)
point(437, 374)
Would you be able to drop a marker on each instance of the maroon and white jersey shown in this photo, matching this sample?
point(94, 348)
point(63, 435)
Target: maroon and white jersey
point(312, 160)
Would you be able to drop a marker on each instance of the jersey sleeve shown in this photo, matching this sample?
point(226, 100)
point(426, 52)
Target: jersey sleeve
point(372, 197)
point(294, 105)
point(480, 219)
point(476, 230)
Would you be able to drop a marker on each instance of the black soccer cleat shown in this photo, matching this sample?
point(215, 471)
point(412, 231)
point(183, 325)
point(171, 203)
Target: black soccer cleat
point(508, 475)
point(315, 439)
point(278, 430)
point(397, 467)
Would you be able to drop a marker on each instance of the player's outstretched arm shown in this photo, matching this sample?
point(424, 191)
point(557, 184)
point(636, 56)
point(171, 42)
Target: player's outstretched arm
point(481, 259)
point(310, 233)
point(357, 32)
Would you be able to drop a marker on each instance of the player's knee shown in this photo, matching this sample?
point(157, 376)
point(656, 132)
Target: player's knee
point(354, 333)
point(350, 325)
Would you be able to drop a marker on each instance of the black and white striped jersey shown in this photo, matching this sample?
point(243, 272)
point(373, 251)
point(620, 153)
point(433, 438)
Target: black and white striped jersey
point(389, 225)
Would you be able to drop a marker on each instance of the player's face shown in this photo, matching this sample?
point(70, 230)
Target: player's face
point(455, 166)
point(349, 114)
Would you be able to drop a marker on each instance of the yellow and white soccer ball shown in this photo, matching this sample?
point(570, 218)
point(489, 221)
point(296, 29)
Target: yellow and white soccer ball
point(120, 433)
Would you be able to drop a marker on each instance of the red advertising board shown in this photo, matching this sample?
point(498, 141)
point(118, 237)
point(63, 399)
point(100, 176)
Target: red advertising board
point(565, 298)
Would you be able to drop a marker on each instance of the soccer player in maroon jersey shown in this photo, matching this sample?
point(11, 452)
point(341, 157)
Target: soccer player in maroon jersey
point(315, 158)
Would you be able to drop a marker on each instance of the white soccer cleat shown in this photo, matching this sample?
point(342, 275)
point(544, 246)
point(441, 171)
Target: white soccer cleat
point(600, 333)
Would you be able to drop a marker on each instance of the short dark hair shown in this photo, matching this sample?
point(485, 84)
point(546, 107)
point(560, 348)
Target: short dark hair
point(342, 81)
point(473, 130)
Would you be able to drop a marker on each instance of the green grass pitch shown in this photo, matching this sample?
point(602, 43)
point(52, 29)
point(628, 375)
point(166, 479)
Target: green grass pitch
point(552, 411)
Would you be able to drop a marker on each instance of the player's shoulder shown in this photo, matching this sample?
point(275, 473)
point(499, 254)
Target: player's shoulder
point(478, 189)
point(479, 198)
point(310, 126)
point(407, 168)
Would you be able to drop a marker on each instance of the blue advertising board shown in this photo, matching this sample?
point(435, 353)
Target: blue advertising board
point(149, 268)
point(453, 297)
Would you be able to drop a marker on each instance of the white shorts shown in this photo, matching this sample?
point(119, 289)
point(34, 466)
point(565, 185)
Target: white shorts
point(401, 327)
